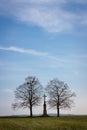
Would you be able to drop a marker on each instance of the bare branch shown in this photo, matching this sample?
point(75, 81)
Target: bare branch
point(28, 94)
point(59, 94)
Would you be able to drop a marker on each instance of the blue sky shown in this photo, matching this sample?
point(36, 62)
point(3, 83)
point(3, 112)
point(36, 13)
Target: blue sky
point(46, 39)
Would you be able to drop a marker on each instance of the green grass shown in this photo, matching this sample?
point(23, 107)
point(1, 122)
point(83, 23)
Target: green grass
point(44, 123)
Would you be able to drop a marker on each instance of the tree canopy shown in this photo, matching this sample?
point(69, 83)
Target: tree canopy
point(28, 94)
point(60, 96)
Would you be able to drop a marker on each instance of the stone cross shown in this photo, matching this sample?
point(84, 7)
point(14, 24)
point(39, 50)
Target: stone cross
point(44, 107)
point(44, 98)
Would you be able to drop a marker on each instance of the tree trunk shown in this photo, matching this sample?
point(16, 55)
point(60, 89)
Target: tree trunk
point(31, 111)
point(58, 114)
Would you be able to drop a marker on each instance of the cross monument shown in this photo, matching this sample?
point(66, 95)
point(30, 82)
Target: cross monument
point(44, 107)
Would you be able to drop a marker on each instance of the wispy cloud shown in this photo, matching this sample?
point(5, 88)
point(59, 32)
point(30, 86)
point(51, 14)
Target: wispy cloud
point(33, 53)
point(21, 50)
point(47, 14)
point(52, 20)
point(59, 60)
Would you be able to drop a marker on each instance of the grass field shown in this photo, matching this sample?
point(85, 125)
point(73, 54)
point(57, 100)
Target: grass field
point(44, 123)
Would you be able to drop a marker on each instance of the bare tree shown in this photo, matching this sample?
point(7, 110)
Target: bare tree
point(59, 95)
point(28, 94)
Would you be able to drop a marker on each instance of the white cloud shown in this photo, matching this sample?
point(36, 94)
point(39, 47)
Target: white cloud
point(45, 55)
point(59, 60)
point(52, 20)
point(47, 14)
point(21, 50)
